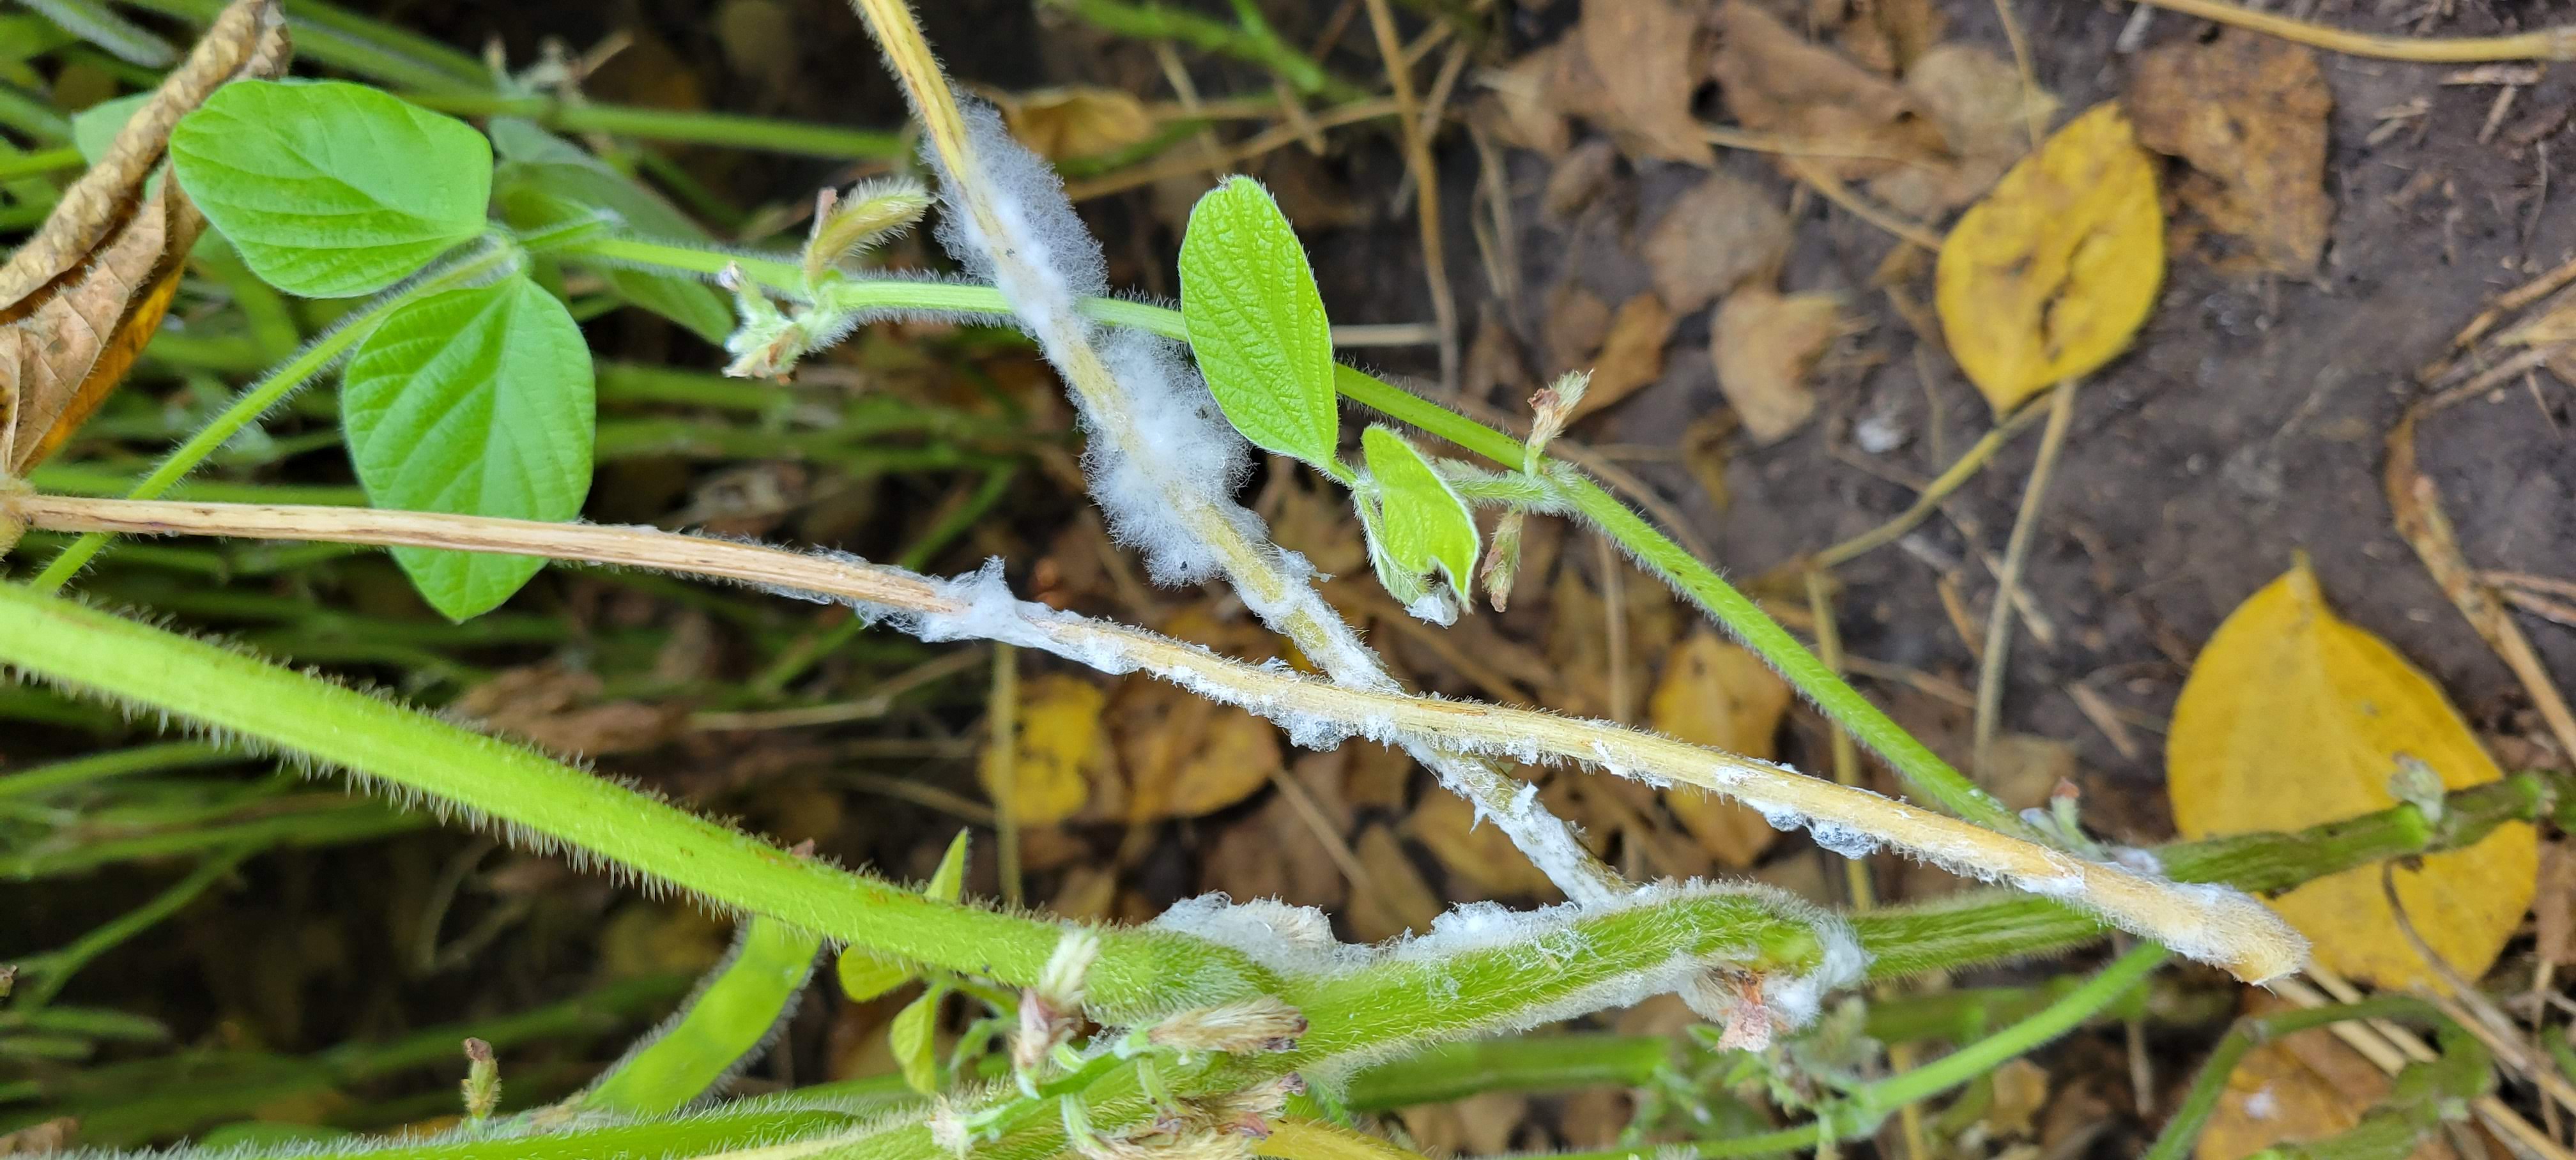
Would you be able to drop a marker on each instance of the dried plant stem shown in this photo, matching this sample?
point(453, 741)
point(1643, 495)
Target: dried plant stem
point(1294, 608)
point(2227, 929)
point(1414, 134)
point(1990, 678)
point(2545, 44)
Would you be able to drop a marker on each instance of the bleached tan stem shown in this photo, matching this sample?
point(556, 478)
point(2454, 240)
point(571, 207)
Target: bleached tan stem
point(1287, 601)
point(2208, 923)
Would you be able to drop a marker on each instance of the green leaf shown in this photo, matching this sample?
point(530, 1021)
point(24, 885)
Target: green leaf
point(865, 976)
point(478, 402)
point(331, 189)
point(1257, 324)
point(1421, 524)
point(948, 883)
point(95, 128)
point(544, 179)
point(728, 1020)
point(915, 1038)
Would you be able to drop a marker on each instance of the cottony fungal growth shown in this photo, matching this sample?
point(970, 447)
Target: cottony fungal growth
point(469, 401)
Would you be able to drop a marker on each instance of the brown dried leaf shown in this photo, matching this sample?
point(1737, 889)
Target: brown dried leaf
point(1890, 36)
point(1632, 355)
point(1186, 756)
point(1775, 81)
point(2247, 113)
point(2301, 1087)
point(1076, 122)
point(1984, 112)
point(1722, 233)
point(41, 1139)
point(1480, 1125)
point(1273, 854)
point(1764, 345)
point(2021, 1092)
point(1579, 177)
point(2024, 769)
point(1480, 854)
point(558, 709)
point(1647, 54)
point(1576, 323)
point(1395, 898)
point(1717, 694)
point(80, 298)
point(2553, 907)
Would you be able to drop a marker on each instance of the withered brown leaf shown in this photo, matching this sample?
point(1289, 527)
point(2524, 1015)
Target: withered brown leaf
point(82, 296)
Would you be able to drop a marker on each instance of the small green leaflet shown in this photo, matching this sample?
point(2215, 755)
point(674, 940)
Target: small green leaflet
point(1420, 524)
point(544, 179)
point(1257, 324)
point(330, 189)
point(725, 1022)
point(915, 1038)
point(865, 976)
point(477, 402)
point(948, 883)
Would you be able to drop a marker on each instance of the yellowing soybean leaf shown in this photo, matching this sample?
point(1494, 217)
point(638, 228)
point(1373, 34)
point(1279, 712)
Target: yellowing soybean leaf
point(865, 976)
point(2293, 717)
point(2053, 273)
point(1077, 122)
point(1061, 749)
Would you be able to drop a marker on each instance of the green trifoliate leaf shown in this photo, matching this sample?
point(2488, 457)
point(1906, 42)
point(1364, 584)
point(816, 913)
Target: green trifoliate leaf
point(477, 402)
point(1420, 525)
point(1257, 324)
point(544, 180)
point(331, 189)
point(915, 1038)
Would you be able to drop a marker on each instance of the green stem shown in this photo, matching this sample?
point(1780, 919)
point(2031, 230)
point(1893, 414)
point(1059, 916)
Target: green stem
point(725, 129)
point(2021, 1038)
point(80, 771)
point(56, 968)
point(326, 35)
point(2183, 1130)
point(42, 161)
point(1537, 1063)
point(518, 792)
point(1987, 925)
point(259, 397)
point(1252, 44)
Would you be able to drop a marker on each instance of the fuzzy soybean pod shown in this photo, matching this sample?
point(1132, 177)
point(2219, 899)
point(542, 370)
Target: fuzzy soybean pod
point(724, 1027)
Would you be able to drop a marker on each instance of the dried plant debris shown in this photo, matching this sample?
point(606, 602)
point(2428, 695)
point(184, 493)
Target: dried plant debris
point(1719, 234)
point(1765, 344)
point(2247, 115)
point(80, 298)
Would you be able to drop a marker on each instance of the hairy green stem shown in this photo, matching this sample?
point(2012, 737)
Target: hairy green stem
point(541, 802)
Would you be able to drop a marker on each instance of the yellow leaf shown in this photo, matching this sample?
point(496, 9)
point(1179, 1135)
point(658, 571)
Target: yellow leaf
point(1716, 694)
point(2055, 270)
point(2293, 717)
point(1062, 749)
point(1077, 122)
